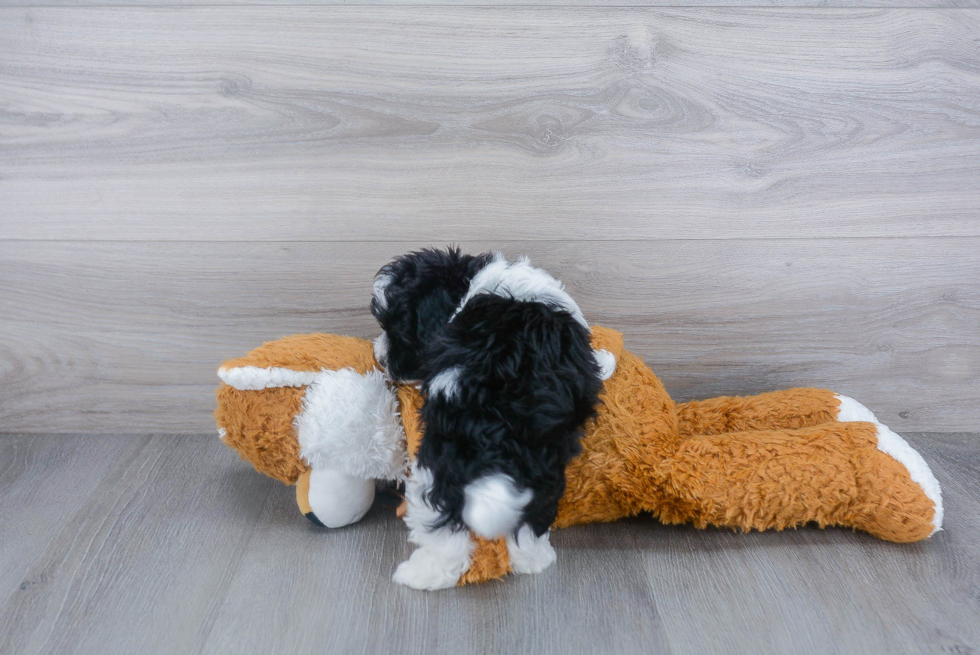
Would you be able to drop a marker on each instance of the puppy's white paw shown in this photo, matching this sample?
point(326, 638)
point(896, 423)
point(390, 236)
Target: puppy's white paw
point(429, 569)
point(530, 554)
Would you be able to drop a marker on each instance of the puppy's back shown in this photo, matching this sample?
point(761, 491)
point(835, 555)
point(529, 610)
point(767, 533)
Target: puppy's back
point(510, 383)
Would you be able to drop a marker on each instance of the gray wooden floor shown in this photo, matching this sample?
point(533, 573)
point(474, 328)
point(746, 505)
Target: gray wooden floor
point(169, 544)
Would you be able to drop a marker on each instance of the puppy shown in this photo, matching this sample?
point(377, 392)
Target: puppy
point(504, 357)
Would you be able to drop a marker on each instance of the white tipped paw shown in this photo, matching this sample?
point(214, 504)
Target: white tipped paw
point(899, 449)
point(429, 569)
point(851, 410)
point(530, 554)
point(607, 363)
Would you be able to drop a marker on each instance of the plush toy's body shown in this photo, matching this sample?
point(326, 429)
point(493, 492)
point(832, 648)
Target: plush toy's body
point(772, 461)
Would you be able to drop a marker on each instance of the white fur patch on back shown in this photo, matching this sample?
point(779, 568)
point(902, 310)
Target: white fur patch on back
point(446, 382)
point(607, 363)
point(350, 422)
point(251, 378)
point(494, 505)
point(521, 281)
point(443, 554)
point(895, 446)
point(530, 554)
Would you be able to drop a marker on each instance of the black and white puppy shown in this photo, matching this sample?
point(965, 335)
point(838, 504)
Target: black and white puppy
point(504, 356)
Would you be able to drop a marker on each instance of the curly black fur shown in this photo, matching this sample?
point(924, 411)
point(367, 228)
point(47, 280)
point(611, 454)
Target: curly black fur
point(528, 381)
point(424, 290)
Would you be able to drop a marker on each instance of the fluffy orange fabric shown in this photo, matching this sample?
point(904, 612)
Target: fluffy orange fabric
point(489, 562)
point(767, 411)
point(771, 461)
point(259, 424)
point(830, 474)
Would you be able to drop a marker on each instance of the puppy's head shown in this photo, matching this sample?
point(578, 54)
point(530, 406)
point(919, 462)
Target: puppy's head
point(414, 297)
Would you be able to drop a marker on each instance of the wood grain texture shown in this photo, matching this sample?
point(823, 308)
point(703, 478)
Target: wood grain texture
point(814, 588)
point(183, 548)
point(127, 336)
point(908, 4)
point(340, 599)
point(431, 123)
point(156, 542)
point(36, 474)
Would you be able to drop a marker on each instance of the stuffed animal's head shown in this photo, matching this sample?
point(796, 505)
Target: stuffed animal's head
point(314, 410)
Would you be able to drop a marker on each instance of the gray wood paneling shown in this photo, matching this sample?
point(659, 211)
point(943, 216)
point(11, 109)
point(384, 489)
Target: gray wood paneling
point(516, 3)
point(127, 336)
point(182, 548)
point(568, 612)
point(429, 123)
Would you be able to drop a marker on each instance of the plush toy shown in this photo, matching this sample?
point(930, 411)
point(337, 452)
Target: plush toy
point(315, 411)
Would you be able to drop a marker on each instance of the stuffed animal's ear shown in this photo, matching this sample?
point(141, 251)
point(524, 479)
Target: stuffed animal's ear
point(307, 353)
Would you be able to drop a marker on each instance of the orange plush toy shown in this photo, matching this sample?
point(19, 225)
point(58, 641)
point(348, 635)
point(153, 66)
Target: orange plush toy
point(316, 411)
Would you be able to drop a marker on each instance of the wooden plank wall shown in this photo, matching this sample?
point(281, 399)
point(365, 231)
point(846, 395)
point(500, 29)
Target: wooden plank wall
point(757, 197)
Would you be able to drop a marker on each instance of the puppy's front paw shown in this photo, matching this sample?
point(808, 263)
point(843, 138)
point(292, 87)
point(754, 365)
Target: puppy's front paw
point(429, 570)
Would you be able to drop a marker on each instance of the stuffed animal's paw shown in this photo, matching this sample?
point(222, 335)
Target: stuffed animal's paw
point(896, 447)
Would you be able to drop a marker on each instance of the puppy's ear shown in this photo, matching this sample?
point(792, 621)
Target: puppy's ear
point(379, 301)
point(414, 297)
point(394, 305)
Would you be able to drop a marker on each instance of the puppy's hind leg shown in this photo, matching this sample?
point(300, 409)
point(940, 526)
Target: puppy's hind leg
point(529, 553)
point(443, 554)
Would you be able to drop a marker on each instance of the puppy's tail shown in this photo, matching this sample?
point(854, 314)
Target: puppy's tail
point(494, 505)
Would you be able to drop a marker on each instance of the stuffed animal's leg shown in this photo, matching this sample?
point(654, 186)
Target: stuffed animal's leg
point(332, 498)
point(778, 410)
point(852, 474)
point(896, 447)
